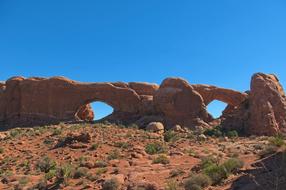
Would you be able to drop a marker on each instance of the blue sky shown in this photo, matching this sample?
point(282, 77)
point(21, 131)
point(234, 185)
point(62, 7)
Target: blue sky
point(220, 42)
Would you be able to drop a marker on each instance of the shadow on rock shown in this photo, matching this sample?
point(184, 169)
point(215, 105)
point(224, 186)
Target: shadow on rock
point(269, 174)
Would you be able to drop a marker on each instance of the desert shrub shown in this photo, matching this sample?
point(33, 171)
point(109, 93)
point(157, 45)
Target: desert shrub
point(25, 164)
point(15, 133)
point(161, 159)
point(114, 154)
point(24, 180)
point(268, 150)
point(232, 165)
point(82, 160)
point(111, 184)
point(197, 182)
point(66, 171)
point(1, 150)
point(172, 185)
point(208, 161)
point(277, 141)
point(94, 146)
point(133, 126)
point(217, 173)
point(101, 171)
point(155, 148)
point(51, 174)
point(123, 145)
point(100, 164)
point(231, 134)
point(191, 152)
point(57, 131)
point(176, 172)
point(170, 136)
point(216, 131)
point(41, 185)
point(46, 164)
point(80, 172)
point(48, 141)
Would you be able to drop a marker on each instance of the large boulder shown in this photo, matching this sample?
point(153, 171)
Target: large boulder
point(156, 127)
point(179, 103)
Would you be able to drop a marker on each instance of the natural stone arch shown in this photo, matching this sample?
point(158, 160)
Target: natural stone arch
point(228, 96)
point(40, 100)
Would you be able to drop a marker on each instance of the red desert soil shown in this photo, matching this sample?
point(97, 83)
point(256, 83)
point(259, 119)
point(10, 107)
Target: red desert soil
point(41, 156)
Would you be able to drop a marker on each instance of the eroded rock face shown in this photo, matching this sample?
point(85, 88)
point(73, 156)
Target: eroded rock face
point(267, 105)
point(39, 101)
point(35, 101)
point(264, 112)
point(142, 88)
point(85, 113)
point(180, 104)
point(210, 93)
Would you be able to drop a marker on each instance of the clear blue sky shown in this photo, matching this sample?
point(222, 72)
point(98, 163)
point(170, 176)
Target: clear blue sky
point(220, 42)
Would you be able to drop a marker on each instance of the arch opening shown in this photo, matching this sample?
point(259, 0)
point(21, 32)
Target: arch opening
point(215, 108)
point(93, 111)
point(101, 110)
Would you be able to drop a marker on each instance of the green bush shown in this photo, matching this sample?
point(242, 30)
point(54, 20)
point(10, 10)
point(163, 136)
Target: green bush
point(161, 159)
point(111, 184)
point(100, 171)
point(123, 145)
point(172, 185)
point(216, 131)
point(94, 146)
point(232, 165)
point(208, 161)
point(232, 134)
point(80, 172)
point(197, 182)
point(176, 172)
point(114, 154)
point(66, 171)
point(268, 150)
point(100, 164)
point(57, 132)
point(15, 132)
point(46, 164)
point(51, 174)
point(216, 173)
point(277, 141)
point(155, 148)
point(170, 136)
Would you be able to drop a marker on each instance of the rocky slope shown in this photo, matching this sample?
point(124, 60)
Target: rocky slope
point(107, 156)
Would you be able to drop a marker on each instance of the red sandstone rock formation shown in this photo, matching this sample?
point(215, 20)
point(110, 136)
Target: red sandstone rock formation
point(264, 112)
point(267, 105)
point(180, 103)
point(210, 93)
point(85, 113)
point(35, 101)
point(38, 100)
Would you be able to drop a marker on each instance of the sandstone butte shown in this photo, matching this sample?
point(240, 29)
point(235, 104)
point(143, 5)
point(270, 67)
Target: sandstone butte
point(39, 101)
